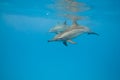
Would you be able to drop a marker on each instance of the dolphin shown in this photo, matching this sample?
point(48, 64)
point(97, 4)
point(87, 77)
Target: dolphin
point(59, 28)
point(72, 32)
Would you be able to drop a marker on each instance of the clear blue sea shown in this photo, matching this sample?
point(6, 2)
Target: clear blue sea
point(25, 53)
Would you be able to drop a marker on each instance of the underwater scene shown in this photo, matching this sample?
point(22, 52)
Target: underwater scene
point(59, 40)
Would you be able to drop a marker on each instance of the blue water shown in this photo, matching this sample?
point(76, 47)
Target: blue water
point(25, 53)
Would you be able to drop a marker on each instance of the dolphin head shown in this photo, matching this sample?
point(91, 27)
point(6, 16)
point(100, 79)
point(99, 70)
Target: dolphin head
point(58, 29)
point(55, 28)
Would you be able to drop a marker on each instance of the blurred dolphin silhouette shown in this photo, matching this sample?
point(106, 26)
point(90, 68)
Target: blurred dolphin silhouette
point(72, 32)
point(59, 28)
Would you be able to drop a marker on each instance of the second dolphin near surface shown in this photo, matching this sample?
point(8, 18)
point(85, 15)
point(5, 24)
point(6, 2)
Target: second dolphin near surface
point(59, 28)
point(72, 32)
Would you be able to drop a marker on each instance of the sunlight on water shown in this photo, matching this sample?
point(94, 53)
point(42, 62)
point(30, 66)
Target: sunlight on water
point(69, 8)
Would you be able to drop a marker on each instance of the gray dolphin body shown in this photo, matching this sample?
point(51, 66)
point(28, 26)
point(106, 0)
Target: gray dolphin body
point(74, 31)
point(59, 28)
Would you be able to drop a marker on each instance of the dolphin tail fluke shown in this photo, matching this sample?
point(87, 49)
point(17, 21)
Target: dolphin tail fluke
point(93, 33)
point(65, 43)
point(74, 22)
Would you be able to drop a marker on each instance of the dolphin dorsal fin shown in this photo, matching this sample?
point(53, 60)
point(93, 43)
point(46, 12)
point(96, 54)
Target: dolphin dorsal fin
point(65, 22)
point(74, 24)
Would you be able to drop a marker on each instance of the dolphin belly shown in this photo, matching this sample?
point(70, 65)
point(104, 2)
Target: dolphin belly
point(71, 34)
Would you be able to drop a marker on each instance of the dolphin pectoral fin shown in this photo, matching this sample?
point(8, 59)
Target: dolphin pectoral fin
point(65, 43)
point(70, 41)
point(93, 33)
